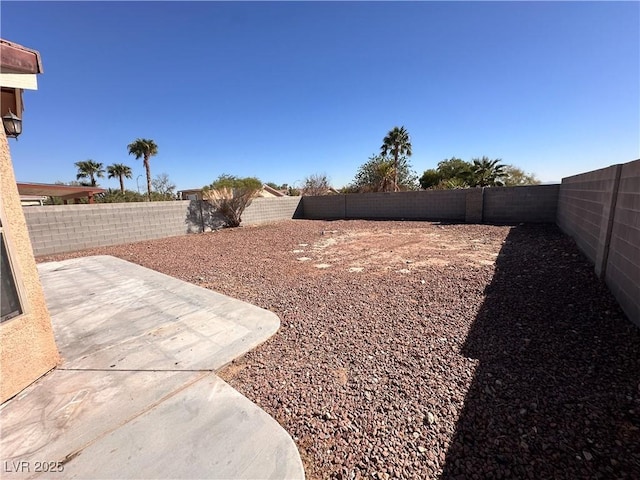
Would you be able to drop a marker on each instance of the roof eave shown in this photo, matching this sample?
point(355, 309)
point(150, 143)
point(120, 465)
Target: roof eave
point(15, 58)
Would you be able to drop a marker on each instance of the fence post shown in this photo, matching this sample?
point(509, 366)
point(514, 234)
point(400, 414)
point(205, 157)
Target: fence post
point(344, 215)
point(474, 205)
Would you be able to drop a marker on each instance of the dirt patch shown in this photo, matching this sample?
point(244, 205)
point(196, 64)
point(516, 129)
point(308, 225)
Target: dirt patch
point(399, 249)
point(233, 369)
point(341, 376)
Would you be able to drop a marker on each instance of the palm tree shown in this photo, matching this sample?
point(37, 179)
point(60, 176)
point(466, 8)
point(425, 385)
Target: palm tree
point(487, 172)
point(397, 142)
point(144, 148)
point(89, 169)
point(121, 171)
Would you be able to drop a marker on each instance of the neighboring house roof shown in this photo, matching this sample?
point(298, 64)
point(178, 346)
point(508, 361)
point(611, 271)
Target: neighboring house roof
point(65, 192)
point(18, 69)
point(267, 191)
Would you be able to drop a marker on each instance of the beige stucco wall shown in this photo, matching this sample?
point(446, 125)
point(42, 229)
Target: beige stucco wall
point(27, 345)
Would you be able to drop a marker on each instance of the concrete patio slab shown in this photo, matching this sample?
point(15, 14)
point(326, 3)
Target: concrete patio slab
point(111, 314)
point(66, 411)
point(136, 396)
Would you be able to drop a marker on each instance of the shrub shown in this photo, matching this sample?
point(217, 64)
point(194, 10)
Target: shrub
point(231, 195)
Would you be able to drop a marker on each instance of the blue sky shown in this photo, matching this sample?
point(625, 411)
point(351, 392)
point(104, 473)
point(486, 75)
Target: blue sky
point(284, 90)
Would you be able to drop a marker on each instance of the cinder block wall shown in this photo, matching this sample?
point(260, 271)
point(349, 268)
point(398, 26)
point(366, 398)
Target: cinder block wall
point(432, 205)
point(535, 204)
point(66, 228)
point(600, 210)
point(56, 229)
point(264, 210)
point(496, 205)
point(583, 202)
point(327, 207)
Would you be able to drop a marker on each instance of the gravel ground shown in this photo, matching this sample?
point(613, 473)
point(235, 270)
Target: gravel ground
point(420, 350)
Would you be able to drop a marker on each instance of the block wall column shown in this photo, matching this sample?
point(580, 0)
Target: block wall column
point(474, 205)
point(608, 213)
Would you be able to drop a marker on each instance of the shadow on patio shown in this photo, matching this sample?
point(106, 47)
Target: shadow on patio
point(556, 393)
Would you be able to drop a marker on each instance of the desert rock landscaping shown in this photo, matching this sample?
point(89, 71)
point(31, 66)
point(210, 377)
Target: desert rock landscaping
point(426, 350)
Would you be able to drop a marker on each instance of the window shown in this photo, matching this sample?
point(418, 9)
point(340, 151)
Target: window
point(10, 301)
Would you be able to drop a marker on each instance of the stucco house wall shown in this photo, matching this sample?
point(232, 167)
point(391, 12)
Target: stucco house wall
point(27, 344)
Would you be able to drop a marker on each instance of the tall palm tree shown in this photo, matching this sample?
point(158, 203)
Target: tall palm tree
point(487, 172)
point(145, 149)
point(89, 169)
point(121, 171)
point(398, 143)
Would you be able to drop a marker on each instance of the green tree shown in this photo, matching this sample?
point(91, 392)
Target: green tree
point(450, 173)
point(514, 176)
point(119, 171)
point(487, 172)
point(379, 174)
point(117, 196)
point(455, 168)
point(397, 143)
point(89, 169)
point(163, 197)
point(457, 173)
point(144, 148)
point(430, 178)
point(231, 195)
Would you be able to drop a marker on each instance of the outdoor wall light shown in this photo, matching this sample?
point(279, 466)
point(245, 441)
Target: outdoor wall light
point(12, 125)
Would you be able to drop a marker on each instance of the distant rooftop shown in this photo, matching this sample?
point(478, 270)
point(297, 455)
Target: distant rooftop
point(65, 192)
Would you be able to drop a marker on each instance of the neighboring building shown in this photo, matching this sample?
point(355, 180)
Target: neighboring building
point(27, 345)
point(193, 194)
point(32, 200)
point(268, 192)
point(196, 193)
point(75, 193)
